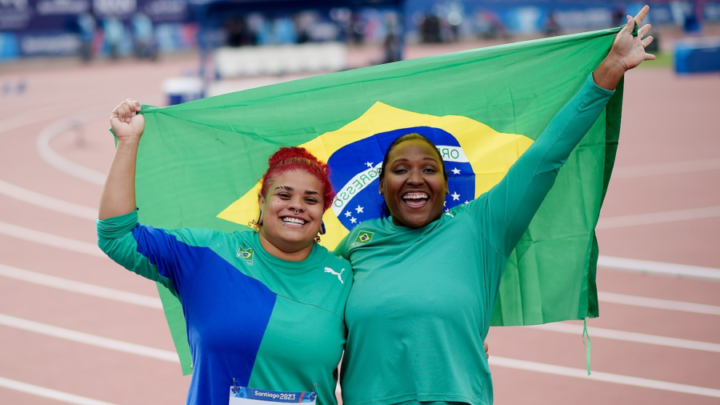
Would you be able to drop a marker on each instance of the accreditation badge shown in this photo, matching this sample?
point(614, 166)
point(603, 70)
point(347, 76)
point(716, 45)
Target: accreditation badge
point(253, 396)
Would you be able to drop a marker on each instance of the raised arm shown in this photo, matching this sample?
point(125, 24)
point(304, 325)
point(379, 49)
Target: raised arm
point(167, 256)
point(507, 209)
point(118, 196)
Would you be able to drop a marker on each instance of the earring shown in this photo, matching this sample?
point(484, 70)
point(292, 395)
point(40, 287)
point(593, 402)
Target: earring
point(257, 222)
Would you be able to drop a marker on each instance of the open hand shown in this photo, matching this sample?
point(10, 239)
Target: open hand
point(629, 50)
point(125, 121)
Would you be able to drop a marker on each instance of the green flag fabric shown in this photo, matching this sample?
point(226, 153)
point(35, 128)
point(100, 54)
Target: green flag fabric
point(200, 162)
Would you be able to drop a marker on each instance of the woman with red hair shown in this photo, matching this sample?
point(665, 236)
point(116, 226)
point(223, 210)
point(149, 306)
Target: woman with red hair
point(263, 309)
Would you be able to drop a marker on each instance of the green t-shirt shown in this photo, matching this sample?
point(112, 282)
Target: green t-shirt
point(423, 298)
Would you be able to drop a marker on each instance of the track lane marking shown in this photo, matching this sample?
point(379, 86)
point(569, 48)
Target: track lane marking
point(661, 169)
point(494, 360)
point(600, 376)
point(49, 393)
point(151, 302)
point(88, 339)
point(658, 303)
point(50, 240)
point(647, 266)
point(44, 201)
point(658, 217)
point(78, 287)
point(631, 337)
point(60, 162)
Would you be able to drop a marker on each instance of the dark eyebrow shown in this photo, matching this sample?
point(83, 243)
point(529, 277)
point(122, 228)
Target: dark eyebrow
point(405, 159)
point(288, 188)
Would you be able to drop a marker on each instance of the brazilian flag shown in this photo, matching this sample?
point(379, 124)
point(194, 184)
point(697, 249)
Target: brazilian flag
point(200, 162)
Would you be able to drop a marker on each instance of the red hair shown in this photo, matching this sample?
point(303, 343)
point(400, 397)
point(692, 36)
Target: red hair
point(296, 158)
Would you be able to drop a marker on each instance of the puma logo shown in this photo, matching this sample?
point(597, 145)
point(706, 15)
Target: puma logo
point(331, 271)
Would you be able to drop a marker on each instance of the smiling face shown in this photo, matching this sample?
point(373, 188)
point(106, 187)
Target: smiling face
point(293, 191)
point(413, 183)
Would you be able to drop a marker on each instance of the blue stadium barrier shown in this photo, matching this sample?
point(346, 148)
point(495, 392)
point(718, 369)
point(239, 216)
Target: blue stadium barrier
point(698, 55)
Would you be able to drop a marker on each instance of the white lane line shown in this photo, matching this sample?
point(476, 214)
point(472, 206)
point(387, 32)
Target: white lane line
point(671, 269)
point(31, 118)
point(50, 240)
point(631, 337)
point(60, 162)
point(600, 376)
point(78, 287)
point(88, 339)
point(494, 360)
point(658, 217)
point(44, 201)
point(49, 393)
point(658, 304)
point(659, 169)
point(151, 302)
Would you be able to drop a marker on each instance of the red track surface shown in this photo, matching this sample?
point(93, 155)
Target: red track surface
point(666, 119)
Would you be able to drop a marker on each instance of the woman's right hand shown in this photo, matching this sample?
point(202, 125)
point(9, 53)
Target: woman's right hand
point(126, 123)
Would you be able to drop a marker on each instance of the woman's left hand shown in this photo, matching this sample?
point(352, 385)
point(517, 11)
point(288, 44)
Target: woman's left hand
point(487, 351)
point(630, 50)
point(626, 53)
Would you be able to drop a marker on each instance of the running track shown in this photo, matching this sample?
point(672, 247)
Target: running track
point(76, 328)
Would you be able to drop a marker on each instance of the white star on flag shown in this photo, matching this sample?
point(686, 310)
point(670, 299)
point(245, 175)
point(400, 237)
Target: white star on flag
point(456, 171)
point(348, 213)
point(455, 196)
point(359, 209)
point(368, 164)
point(444, 203)
point(466, 201)
point(353, 220)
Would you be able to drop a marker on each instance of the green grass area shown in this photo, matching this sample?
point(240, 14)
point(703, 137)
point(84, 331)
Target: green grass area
point(662, 60)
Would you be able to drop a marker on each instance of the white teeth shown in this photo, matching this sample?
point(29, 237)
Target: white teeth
point(415, 196)
point(293, 221)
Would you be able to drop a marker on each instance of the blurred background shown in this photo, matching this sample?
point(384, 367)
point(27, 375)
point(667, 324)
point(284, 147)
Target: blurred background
point(76, 328)
point(239, 38)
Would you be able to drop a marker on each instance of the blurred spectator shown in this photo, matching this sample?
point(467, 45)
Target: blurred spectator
point(86, 27)
point(693, 11)
point(492, 26)
point(114, 33)
point(391, 43)
point(143, 37)
point(551, 25)
point(430, 29)
point(358, 28)
point(240, 33)
point(453, 12)
point(234, 29)
point(619, 16)
point(284, 31)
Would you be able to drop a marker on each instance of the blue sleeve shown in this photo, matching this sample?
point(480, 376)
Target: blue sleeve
point(169, 257)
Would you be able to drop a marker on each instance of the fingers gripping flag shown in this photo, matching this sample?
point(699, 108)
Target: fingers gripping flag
point(199, 163)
